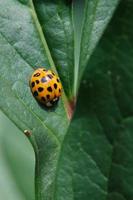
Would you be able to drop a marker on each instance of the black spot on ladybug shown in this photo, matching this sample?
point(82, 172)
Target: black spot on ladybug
point(50, 76)
point(35, 94)
point(48, 96)
point(58, 80)
point(37, 81)
point(33, 84)
point(44, 70)
point(40, 89)
point(55, 85)
point(59, 90)
point(37, 74)
point(49, 89)
point(53, 73)
point(43, 80)
point(43, 98)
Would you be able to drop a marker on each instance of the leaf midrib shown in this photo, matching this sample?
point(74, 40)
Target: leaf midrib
point(76, 56)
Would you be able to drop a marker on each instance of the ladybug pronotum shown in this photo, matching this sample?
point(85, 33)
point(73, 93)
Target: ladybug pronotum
point(45, 86)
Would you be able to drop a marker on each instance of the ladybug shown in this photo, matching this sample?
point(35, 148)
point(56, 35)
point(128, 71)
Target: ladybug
point(45, 86)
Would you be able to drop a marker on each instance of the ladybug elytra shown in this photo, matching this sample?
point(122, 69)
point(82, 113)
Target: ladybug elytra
point(45, 86)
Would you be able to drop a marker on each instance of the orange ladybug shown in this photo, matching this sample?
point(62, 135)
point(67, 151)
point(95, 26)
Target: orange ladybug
point(45, 86)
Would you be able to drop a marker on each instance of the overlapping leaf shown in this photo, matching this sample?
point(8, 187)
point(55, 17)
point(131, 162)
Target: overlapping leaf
point(97, 14)
point(100, 137)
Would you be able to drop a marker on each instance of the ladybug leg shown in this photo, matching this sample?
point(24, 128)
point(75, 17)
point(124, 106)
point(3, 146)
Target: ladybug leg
point(56, 99)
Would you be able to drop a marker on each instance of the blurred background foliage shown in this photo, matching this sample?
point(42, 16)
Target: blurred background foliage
point(16, 169)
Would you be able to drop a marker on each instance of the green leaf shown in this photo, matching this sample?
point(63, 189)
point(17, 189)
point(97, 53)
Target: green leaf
point(41, 33)
point(97, 14)
point(21, 48)
point(96, 158)
point(55, 18)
